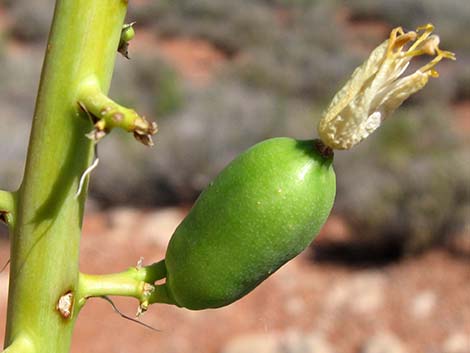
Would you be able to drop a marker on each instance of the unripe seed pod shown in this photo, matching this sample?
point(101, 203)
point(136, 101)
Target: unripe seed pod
point(262, 210)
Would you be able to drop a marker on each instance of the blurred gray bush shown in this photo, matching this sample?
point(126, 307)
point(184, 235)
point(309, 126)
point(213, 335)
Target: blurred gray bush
point(19, 79)
point(148, 82)
point(31, 19)
point(229, 25)
point(406, 186)
point(450, 17)
point(300, 61)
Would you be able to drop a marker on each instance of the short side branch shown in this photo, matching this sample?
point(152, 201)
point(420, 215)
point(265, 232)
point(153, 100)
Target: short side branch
point(107, 114)
point(136, 282)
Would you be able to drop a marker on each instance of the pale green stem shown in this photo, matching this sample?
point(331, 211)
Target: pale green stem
point(136, 282)
point(124, 283)
point(46, 237)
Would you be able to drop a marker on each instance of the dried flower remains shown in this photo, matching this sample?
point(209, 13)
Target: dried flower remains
point(377, 87)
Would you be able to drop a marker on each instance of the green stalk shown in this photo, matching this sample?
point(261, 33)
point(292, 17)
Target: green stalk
point(137, 282)
point(46, 235)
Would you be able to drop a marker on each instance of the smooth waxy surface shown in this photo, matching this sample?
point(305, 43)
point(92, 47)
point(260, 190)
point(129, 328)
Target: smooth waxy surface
point(263, 209)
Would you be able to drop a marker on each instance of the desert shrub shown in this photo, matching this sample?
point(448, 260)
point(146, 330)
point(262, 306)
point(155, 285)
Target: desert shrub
point(296, 55)
point(31, 19)
point(123, 175)
point(13, 143)
point(405, 186)
point(451, 17)
point(3, 39)
point(149, 82)
point(304, 59)
point(290, 3)
point(296, 47)
point(227, 24)
point(463, 81)
point(17, 75)
point(295, 69)
point(149, 12)
point(17, 102)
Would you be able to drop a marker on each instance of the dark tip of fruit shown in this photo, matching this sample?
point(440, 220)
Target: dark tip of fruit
point(324, 150)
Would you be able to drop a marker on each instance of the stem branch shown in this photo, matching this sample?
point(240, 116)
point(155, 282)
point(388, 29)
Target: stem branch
point(135, 282)
point(124, 283)
point(108, 114)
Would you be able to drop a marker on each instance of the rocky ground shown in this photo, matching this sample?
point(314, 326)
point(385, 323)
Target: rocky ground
point(420, 304)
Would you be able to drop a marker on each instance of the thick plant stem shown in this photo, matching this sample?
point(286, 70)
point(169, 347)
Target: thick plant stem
point(46, 236)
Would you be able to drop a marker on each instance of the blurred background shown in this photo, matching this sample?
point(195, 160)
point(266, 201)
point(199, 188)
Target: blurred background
point(390, 272)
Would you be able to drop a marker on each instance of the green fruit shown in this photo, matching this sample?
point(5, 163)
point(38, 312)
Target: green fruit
point(262, 210)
